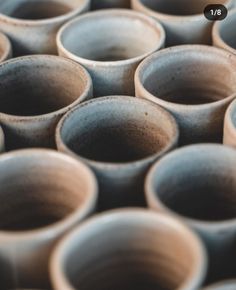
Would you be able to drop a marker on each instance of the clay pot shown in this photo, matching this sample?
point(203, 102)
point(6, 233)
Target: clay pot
point(129, 248)
point(119, 137)
point(197, 184)
point(32, 25)
point(183, 20)
point(224, 285)
point(230, 125)
point(2, 140)
point(101, 4)
point(43, 195)
point(194, 82)
point(5, 48)
point(35, 92)
point(224, 34)
point(110, 44)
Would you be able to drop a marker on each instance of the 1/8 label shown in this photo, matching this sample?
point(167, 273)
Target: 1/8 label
point(215, 12)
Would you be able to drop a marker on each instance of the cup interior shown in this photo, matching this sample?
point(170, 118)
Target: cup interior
point(37, 9)
point(227, 31)
point(111, 36)
point(40, 85)
point(188, 75)
point(198, 183)
point(129, 252)
point(118, 130)
point(181, 7)
point(38, 190)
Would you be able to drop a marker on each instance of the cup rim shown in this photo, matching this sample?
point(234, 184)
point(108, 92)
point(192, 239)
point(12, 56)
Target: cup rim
point(152, 197)
point(71, 219)
point(228, 116)
point(82, 97)
point(172, 105)
point(169, 17)
point(7, 47)
point(2, 138)
point(38, 22)
point(117, 165)
point(218, 285)
point(102, 13)
point(195, 278)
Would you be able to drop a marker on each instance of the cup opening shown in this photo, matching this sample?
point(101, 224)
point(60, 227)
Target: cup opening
point(227, 31)
point(40, 85)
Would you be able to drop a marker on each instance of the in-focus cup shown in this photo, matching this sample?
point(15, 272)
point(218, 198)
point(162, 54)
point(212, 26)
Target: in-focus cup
point(119, 137)
point(44, 194)
point(129, 249)
point(196, 83)
point(110, 44)
point(197, 184)
point(35, 92)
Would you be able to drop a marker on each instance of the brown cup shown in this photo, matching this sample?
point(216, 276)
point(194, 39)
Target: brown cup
point(230, 125)
point(197, 184)
point(43, 195)
point(110, 44)
point(35, 92)
point(5, 48)
point(129, 249)
point(119, 137)
point(104, 4)
point(32, 25)
point(195, 83)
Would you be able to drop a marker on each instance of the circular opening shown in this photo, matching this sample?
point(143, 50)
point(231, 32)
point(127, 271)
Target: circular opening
point(129, 253)
point(38, 190)
point(227, 31)
point(111, 36)
point(39, 85)
point(198, 183)
point(118, 130)
point(181, 7)
point(191, 76)
point(37, 9)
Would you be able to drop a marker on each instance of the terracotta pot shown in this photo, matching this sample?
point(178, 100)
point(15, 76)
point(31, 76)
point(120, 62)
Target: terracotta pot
point(2, 140)
point(224, 285)
point(183, 20)
point(32, 25)
point(43, 195)
point(126, 248)
point(5, 48)
point(197, 184)
point(119, 137)
point(224, 34)
point(101, 4)
point(194, 82)
point(35, 92)
point(110, 44)
point(230, 125)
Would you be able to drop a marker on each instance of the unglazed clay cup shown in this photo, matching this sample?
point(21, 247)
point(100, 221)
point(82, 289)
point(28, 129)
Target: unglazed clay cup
point(104, 4)
point(43, 195)
point(197, 184)
point(183, 20)
point(129, 249)
point(230, 125)
point(35, 92)
point(32, 25)
point(5, 48)
point(110, 44)
point(223, 34)
point(224, 285)
point(119, 137)
point(195, 83)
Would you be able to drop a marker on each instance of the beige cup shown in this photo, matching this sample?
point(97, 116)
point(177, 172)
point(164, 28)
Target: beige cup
point(196, 83)
point(43, 195)
point(230, 125)
point(110, 44)
point(35, 92)
point(5, 48)
point(129, 249)
point(32, 25)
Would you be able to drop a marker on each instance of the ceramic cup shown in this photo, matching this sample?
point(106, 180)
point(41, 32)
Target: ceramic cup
point(101, 4)
point(195, 83)
point(197, 184)
point(129, 249)
point(110, 44)
point(119, 137)
point(35, 92)
point(5, 48)
point(2, 140)
point(224, 34)
point(183, 20)
point(230, 125)
point(224, 285)
point(32, 24)
point(43, 195)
